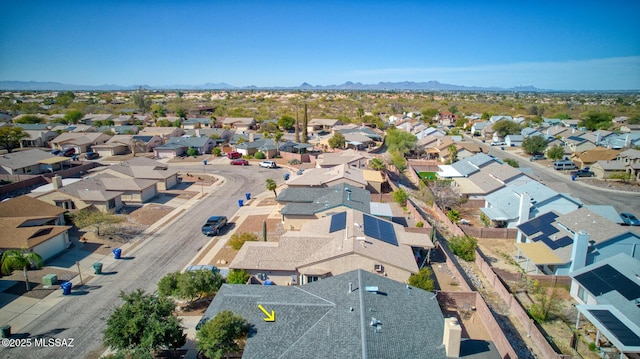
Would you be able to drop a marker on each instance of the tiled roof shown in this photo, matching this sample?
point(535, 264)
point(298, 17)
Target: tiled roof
point(325, 320)
point(25, 206)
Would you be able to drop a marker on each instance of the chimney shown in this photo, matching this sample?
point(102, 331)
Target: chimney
point(523, 212)
point(451, 337)
point(598, 137)
point(350, 287)
point(56, 181)
point(627, 141)
point(579, 251)
point(197, 132)
point(251, 137)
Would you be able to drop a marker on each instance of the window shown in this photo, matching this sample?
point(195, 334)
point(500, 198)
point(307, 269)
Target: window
point(111, 203)
point(582, 294)
point(311, 279)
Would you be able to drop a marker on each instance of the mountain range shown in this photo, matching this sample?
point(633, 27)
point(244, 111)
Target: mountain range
point(355, 86)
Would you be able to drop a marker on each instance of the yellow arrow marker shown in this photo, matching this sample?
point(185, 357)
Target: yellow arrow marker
point(271, 317)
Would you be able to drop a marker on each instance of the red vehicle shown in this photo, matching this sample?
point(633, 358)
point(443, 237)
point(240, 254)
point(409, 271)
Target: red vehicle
point(234, 155)
point(240, 162)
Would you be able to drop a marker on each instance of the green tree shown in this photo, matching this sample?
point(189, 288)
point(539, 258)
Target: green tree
point(195, 284)
point(547, 305)
point(238, 276)
point(168, 285)
point(96, 219)
point(143, 324)
point(13, 259)
point(634, 120)
point(534, 144)
point(594, 120)
point(182, 113)
point(29, 119)
point(64, 99)
point(10, 137)
point(464, 247)
point(511, 162)
point(337, 141)
point(423, 279)
point(401, 197)
point(271, 186)
point(453, 215)
point(377, 164)
point(158, 111)
point(485, 116)
point(237, 239)
point(555, 153)
point(72, 116)
point(620, 175)
point(216, 151)
point(163, 123)
point(141, 100)
point(222, 335)
point(506, 127)
point(259, 155)
point(429, 113)
point(401, 141)
point(286, 122)
point(453, 153)
point(192, 152)
point(398, 161)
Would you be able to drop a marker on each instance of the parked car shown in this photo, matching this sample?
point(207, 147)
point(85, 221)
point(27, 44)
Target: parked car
point(213, 225)
point(234, 155)
point(497, 143)
point(91, 155)
point(537, 158)
point(67, 152)
point(583, 172)
point(268, 164)
point(240, 162)
point(55, 152)
point(564, 165)
point(629, 219)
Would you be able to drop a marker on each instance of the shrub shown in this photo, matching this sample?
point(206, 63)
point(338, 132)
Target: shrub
point(237, 239)
point(216, 151)
point(513, 163)
point(400, 196)
point(453, 215)
point(238, 276)
point(259, 155)
point(593, 347)
point(420, 224)
point(423, 279)
point(295, 161)
point(464, 247)
point(192, 152)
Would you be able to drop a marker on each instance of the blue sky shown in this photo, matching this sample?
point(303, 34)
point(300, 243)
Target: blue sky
point(561, 45)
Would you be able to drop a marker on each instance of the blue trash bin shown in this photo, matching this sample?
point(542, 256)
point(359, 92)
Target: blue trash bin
point(240, 203)
point(66, 288)
point(204, 162)
point(286, 176)
point(116, 253)
point(248, 195)
point(573, 178)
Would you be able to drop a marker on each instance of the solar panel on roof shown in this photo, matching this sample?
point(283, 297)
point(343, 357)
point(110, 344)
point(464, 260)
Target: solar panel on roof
point(593, 283)
point(621, 331)
point(380, 229)
point(618, 281)
point(528, 229)
point(338, 222)
point(564, 241)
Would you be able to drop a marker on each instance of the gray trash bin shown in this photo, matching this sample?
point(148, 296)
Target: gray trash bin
point(6, 331)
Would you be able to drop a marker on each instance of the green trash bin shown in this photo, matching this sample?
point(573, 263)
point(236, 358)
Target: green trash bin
point(6, 331)
point(97, 268)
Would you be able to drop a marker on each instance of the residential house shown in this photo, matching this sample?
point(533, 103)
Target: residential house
point(28, 223)
point(351, 157)
point(631, 160)
point(608, 293)
point(357, 314)
point(81, 142)
point(177, 146)
point(90, 118)
point(163, 132)
point(494, 119)
point(39, 135)
point(515, 204)
point(119, 130)
point(562, 243)
point(447, 119)
point(220, 135)
point(578, 144)
point(75, 128)
point(465, 167)
point(81, 194)
point(330, 176)
point(573, 123)
point(322, 124)
point(588, 158)
point(147, 169)
point(597, 137)
point(621, 141)
point(476, 128)
point(333, 245)
point(198, 122)
point(240, 124)
point(513, 140)
point(604, 169)
point(123, 120)
point(116, 145)
point(488, 179)
point(32, 162)
point(301, 205)
point(424, 131)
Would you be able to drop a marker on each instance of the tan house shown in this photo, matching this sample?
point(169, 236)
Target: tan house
point(28, 223)
point(590, 157)
point(322, 124)
point(240, 124)
point(146, 169)
point(82, 194)
point(163, 132)
point(604, 169)
point(350, 157)
point(329, 176)
point(81, 142)
point(32, 162)
point(333, 245)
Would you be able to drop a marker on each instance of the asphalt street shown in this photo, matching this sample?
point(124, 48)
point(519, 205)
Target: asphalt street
point(171, 248)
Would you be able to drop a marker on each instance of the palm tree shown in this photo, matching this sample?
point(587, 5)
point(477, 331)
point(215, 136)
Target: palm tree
point(377, 164)
point(21, 259)
point(277, 137)
point(271, 186)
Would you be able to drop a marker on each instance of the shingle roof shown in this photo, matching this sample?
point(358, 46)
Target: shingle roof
point(322, 176)
point(307, 201)
point(324, 320)
point(15, 160)
point(25, 206)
